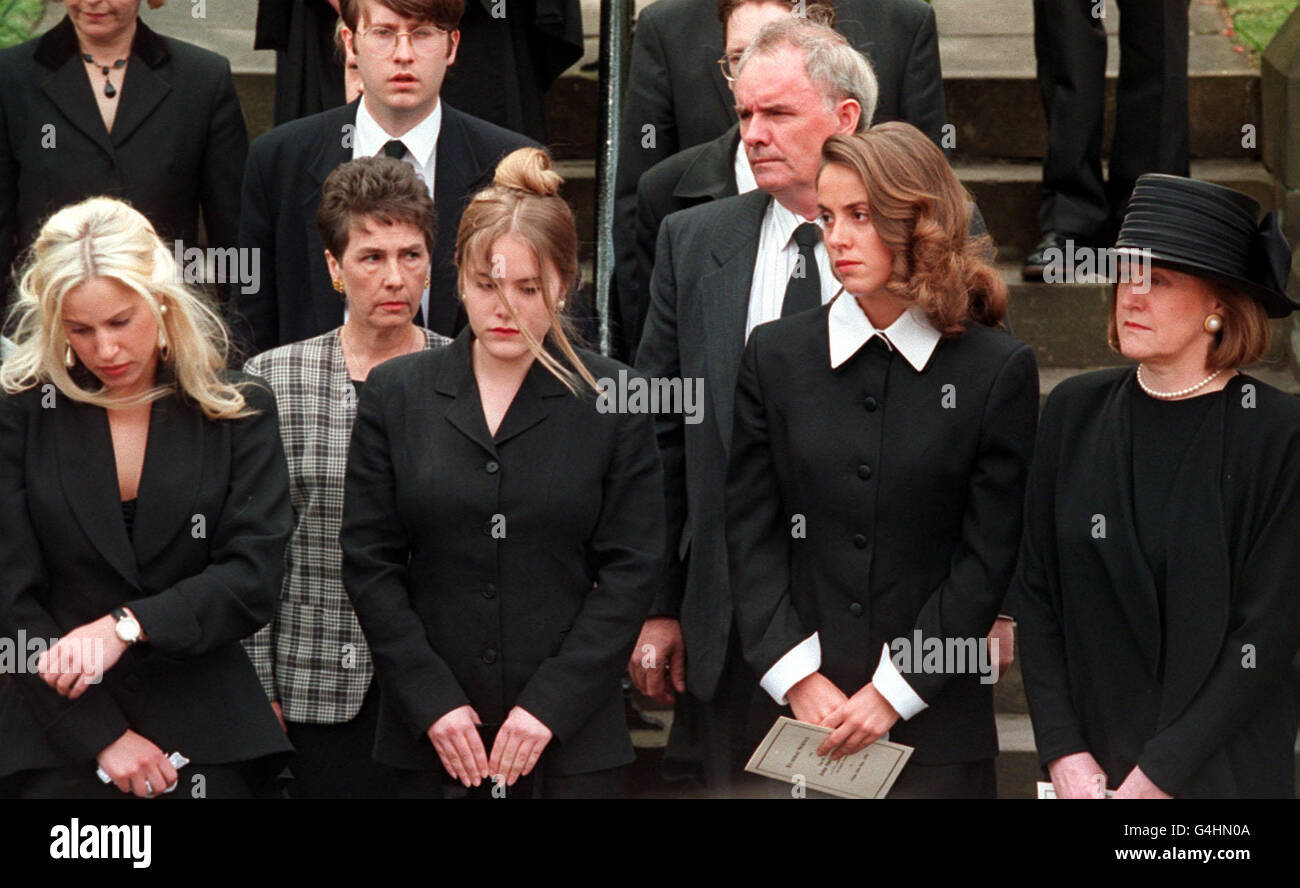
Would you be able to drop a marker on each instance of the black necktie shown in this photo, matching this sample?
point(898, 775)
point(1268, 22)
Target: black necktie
point(395, 149)
point(805, 288)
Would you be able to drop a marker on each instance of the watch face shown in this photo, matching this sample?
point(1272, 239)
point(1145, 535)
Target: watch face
point(128, 630)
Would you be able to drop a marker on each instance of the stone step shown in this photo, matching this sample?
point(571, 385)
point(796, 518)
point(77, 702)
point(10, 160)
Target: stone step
point(1008, 194)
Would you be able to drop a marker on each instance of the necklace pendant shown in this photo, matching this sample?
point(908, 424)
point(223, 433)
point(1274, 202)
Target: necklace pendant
point(109, 89)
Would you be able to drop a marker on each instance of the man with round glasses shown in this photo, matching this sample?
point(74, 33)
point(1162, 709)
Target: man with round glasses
point(403, 50)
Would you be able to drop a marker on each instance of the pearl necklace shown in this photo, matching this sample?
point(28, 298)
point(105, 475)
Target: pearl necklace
point(1169, 396)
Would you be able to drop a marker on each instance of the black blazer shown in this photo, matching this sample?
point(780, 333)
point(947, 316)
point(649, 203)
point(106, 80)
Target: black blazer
point(178, 142)
point(201, 571)
point(1222, 722)
point(286, 167)
point(675, 86)
point(500, 571)
point(911, 505)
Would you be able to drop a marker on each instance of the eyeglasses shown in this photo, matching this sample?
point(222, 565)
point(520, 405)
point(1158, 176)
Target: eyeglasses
point(381, 41)
point(728, 65)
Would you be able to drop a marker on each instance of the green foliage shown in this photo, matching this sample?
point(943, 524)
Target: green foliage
point(17, 19)
point(1256, 21)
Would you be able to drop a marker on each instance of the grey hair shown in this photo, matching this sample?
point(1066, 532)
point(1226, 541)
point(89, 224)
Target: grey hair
point(830, 61)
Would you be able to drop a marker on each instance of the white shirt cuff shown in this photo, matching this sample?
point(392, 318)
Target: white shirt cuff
point(894, 688)
point(803, 660)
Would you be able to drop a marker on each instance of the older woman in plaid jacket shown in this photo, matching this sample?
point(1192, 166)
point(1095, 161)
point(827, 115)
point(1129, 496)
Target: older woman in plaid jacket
point(376, 219)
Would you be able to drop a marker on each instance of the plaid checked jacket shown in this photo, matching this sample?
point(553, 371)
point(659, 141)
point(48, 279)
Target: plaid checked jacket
point(312, 656)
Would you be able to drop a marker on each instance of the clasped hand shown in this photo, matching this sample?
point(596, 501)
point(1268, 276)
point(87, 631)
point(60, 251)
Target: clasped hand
point(80, 658)
point(519, 744)
point(857, 721)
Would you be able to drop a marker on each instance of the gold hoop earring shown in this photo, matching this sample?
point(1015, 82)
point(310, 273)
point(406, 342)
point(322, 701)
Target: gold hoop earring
point(1213, 323)
point(69, 357)
point(337, 285)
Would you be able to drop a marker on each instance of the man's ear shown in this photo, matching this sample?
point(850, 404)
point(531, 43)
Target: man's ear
point(347, 39)
point(453, 41)
point(847, 114)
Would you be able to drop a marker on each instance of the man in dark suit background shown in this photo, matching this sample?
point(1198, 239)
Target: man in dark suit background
point(721, 269)
point(403, 59)
point(678, 44)
point(1151, 115)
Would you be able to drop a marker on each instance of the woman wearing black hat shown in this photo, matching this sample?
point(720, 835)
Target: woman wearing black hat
point(1156, 584)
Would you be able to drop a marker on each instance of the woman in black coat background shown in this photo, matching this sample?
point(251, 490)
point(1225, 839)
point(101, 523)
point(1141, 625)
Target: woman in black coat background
point(877, 471)
point(144, 509)
point(162, 129)
point(502, 533)
point(1157, 583)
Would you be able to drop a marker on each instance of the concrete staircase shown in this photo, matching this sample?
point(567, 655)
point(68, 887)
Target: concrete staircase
point(995, 107)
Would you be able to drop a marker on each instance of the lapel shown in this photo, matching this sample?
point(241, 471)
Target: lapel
point(457, 172)
point(336, 384)
point(712, 174)
point(1133, 584)
point(143, 89)
point(90, 484)
point(1198, 576)
point(71, 92)
point(531, 404)
point(333, 147)
point(169, 482)
point(67, 87)
point(724, 293)
point(456, 380)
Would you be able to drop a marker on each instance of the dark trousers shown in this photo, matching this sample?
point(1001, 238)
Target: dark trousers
point(1151, 120)
point(334, 761)
point(710, 743)
point(229, 781)
point(611, 783)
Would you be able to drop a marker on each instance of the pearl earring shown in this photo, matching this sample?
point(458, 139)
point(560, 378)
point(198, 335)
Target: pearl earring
point(1213, 323)
point(69, 358)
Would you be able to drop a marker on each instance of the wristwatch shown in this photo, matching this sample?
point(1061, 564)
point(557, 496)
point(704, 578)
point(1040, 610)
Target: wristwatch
point(128, 627)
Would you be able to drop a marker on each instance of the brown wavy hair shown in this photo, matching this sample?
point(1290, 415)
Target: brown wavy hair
point(922, 213)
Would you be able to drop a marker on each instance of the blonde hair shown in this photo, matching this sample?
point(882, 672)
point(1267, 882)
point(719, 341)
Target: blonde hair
point(102, 237)
point(524, 201)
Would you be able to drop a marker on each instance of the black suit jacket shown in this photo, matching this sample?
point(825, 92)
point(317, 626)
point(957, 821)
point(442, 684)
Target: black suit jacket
point(500, 571)
point(1221, 722)
point(910, 485)
point(286, 168)
point(676, 87)
point(201, 571)
point(178, 142)
point(695, 328)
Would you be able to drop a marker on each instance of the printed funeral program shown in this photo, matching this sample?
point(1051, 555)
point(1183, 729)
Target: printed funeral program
point(789, 753)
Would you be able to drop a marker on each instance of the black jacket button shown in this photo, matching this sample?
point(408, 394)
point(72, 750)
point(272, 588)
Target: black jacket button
point(489, 656)
point(489, 591)
point(856, 609)
point(492, 466)
point(860, 541)
point(871, 404)
point(864, 472)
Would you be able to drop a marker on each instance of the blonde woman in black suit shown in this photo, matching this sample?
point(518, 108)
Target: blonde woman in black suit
point(502, 535)
point(145, 509)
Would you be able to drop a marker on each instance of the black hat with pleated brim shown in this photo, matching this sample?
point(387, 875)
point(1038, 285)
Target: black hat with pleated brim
point(1209, 230)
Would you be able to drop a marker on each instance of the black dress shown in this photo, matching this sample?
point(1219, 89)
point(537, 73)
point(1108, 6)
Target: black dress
point(1177, 661)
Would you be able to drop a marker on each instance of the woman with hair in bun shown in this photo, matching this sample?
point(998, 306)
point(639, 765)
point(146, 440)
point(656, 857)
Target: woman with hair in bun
point(145, 509)
point(1157, 580)
point(877, 470)
point(503, 528)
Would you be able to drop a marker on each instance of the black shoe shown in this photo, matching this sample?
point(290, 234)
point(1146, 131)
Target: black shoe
point(1038, 259)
